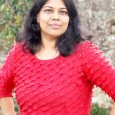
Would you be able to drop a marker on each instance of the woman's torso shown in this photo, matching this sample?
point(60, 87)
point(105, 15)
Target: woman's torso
point(51, 87)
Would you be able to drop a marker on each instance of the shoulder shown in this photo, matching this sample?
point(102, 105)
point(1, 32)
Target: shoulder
point(18, 48)
point(87, 48)
point(87, 45)
point(82, 44)
point(17, 51)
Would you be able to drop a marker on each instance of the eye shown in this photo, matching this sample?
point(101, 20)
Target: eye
point(48, 10)
point(63, 12)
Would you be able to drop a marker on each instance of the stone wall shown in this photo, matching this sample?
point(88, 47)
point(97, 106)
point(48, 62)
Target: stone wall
point(98, 20)
point(96, 16)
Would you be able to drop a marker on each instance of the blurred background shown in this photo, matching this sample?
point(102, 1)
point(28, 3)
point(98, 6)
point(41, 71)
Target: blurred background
point(97, 24)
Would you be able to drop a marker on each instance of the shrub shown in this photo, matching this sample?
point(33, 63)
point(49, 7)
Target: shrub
point(96, 110)
point(12, 13)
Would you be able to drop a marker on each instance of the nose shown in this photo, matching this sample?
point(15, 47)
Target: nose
point(55, 16)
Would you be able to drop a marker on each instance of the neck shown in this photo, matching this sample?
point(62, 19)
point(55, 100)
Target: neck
point(48, 43)
point(48, 48)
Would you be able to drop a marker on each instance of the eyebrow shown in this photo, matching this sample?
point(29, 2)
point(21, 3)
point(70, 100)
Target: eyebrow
point(52, 7)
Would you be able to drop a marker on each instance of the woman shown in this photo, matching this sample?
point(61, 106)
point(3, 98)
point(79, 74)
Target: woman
point(51, 68)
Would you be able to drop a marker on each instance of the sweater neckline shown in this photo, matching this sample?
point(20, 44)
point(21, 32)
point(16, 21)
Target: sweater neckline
point(46, 60)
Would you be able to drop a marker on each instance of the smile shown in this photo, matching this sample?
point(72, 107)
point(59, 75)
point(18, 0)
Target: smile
point(55, 26)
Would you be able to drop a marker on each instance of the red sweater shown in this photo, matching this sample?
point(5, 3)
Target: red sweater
point(58, 86)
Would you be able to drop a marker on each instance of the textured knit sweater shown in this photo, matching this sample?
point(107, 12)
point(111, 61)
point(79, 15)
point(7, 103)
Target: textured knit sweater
point(58, 86)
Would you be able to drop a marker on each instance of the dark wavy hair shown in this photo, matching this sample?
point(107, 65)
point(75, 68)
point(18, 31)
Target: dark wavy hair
point(65, 43)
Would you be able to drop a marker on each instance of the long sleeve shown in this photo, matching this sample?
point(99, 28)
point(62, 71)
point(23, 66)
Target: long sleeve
point(97, 68)
point(6, 75)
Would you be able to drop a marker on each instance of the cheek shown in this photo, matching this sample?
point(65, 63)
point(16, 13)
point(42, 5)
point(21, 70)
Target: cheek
point(41, 18)
point(66, 22)
point(41, 21)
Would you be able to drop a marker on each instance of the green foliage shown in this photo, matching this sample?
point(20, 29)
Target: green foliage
point(12, 13)
point(96, 110)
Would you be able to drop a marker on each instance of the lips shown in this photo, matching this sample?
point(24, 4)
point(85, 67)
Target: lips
point(55, 26)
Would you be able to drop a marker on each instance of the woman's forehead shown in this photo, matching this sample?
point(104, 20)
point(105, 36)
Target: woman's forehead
point(55, 3)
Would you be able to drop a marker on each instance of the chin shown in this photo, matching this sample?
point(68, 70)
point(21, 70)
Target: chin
point(56, 34)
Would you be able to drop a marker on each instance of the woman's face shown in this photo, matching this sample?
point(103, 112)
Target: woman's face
point(53, 18)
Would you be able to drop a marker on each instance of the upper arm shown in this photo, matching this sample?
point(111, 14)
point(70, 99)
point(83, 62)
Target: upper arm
point(6, 75)
point(97, 68)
